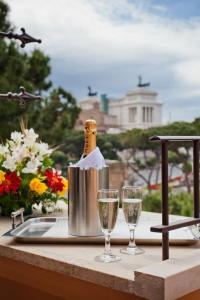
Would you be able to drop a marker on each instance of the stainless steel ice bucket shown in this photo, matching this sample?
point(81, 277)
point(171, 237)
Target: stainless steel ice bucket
point(83, 188)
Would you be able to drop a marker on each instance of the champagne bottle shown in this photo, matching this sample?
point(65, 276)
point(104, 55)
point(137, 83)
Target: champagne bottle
point(86, 177)
point(90, 133)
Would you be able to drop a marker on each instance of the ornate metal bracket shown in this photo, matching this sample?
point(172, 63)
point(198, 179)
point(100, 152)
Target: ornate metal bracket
point(23, 97)
point(23, 37)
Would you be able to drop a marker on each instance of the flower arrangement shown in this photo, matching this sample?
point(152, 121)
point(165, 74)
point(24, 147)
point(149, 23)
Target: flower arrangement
point(26, 173)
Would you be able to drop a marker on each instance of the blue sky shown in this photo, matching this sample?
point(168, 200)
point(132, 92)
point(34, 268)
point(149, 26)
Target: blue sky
point(108, 43)
point(181, 9)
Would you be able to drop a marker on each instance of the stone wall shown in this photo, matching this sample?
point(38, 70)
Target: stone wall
point(118, 174)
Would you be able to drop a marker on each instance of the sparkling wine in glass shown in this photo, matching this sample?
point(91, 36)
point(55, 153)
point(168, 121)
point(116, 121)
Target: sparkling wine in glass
point(108, 206)
point(132, 207)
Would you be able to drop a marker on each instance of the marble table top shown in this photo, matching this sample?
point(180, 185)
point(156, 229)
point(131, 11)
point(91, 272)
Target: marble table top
point(145, 275)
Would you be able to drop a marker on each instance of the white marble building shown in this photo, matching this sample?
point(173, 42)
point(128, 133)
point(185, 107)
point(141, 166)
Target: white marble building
point(140, 108)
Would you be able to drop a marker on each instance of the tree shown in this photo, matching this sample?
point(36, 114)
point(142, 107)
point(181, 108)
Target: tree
point(73, 144)
point(143, 157)
point(110, 145)
point(17, 68)
point(38, 71)
point(4, 23)
point(58, 114)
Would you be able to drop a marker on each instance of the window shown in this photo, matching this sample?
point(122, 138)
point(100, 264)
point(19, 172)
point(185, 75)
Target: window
point(151, 114)
point(147, 114)
point(132, 114)
point(143, 114)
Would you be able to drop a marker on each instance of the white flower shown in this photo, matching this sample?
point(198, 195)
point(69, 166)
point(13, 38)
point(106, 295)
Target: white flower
point(30, 137)
point(11, 144)
point(32, 166)
point(20, 152)
point(43, 149)
point(3, 150)
point(10, 163)
point(34, 149)
point(16, 137)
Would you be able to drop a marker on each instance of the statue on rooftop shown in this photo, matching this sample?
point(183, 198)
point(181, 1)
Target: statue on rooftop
point(140, 84)
point(90, 93)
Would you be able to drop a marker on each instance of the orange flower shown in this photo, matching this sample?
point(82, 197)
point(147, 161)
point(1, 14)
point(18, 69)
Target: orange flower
point(65, 187)
point(37, 186)
point(2, 176)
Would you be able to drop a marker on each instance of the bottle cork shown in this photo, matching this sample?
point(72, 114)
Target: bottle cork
point(90, 132)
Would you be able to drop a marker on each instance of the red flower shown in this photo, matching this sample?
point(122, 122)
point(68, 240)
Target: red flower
point(54, 181)
point(1, 189)
point(11, 183)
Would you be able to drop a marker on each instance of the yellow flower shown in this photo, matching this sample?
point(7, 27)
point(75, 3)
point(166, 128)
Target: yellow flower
point(2, 176)
point(37, 186)
point(65, 187)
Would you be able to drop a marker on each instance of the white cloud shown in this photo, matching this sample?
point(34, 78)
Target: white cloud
point(83, 29)
point(92, 35)
point(189, 71)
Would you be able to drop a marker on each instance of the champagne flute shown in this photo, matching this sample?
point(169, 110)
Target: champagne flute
point(132, 207)
point(108, 206)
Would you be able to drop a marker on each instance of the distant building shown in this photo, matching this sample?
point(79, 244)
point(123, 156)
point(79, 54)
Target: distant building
point(90, 109)
point(139, 108)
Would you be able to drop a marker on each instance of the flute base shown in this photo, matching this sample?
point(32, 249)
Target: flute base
point(107, 258)
point(132, 250)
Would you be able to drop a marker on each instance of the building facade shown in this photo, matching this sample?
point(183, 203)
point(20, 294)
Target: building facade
point(139, 108)
point(91, 109)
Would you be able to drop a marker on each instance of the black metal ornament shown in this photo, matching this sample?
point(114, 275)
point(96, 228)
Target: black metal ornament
point(23, 37)
point(23, 97)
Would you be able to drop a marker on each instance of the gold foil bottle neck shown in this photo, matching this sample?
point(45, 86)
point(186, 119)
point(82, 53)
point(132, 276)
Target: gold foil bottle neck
point(90, 132)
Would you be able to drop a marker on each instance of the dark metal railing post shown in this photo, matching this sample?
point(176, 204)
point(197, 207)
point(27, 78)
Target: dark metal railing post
point(196, 177)
point(166, 226)
point(165, 209)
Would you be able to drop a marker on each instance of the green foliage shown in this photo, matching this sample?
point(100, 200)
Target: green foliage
point(58, 114)
point(173, 158)
point(152, 202)
point(146, 155)
point(38, 70)
point(47, 162)
point(109, 145)
point(73, 146)
point(179, 203)
point(61, 161)
point(9, 203)
point(59, 157)
point(187, 167)
point(4, 10)
point(17, 68)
